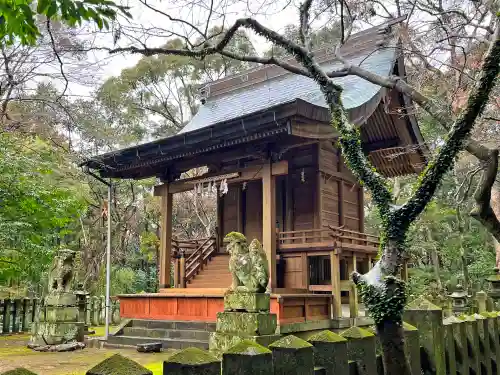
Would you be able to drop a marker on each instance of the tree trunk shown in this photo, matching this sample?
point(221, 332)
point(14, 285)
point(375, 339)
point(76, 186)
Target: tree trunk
point(394, 357)
point(435, 259)
point(495, 205)
point(379, 285)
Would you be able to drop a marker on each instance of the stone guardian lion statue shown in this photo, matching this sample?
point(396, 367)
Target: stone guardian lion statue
point(61, 271)
point(248, 264)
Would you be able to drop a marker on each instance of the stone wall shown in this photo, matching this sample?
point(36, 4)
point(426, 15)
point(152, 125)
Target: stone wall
point(453, 345)
point(17, 315)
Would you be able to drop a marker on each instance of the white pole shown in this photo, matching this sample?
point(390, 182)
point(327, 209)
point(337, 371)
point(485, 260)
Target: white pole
point(108, 265)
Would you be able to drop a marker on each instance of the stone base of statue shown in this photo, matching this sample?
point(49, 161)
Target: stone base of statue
point(246, 316)
point(57, 327)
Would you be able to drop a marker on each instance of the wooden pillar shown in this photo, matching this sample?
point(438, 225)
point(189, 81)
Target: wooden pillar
point(335, 273)
point(176, 271)
point(370, 265)
point(404, 271)
point(289, 203)
point(182, 271)
point(220, 233)
point(353, 293)
point(269, 220)
point(165, 236)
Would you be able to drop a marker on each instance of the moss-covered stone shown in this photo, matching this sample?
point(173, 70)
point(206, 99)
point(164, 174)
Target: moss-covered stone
point(192, 361)
point(292, 356)
point(47, 333)
point(428, 319)
point(246, 323)
point(326, 336)
point(246, 301)
point(61, 314)
point(118, 365)
point(330, 352)
point(356, 333)
point(247, 358)
point(220, 342)
point(408, 327)
point(18, 371)
point(422, 303)
point(361, 348)
point(290, 342)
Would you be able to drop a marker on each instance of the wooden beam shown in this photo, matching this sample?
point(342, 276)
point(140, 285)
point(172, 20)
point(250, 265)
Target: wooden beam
point(165, 236)
point(304, 264)
point(269, 220)
point(335, 272)
point(246, 174)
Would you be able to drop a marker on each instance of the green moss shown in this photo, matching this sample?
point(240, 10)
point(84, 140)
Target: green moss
point(478, 316)
point(466, 318)
point(409, 327)
point(356, 333)
point(452, 320)
point(118, 364)
point(19, 371)
point(192, 356)
point(326, 336)
point(292, 342)
point(235, 236)
point(489, 314)
point(422, 304)
point(248, 347)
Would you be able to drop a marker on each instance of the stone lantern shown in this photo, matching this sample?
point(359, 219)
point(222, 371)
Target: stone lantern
point(459, 299)
point(494, 286)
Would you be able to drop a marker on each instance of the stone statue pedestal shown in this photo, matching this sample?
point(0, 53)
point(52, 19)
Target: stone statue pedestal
point(246, 316)
point(58, 323)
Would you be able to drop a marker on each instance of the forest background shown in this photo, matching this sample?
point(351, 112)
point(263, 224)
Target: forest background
point(55, 114)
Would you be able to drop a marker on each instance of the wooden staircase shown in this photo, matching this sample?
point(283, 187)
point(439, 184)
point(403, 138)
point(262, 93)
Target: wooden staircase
point(213, 274)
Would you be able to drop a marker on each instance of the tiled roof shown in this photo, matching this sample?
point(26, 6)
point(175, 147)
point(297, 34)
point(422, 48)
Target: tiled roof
point(288, 87)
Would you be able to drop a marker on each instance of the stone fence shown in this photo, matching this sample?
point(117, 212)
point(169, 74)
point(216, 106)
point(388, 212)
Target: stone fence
point(17, 315)
point(456, 345)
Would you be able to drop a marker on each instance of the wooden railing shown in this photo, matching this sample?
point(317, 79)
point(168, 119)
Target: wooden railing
point(186, 247)
point(325, 237)
point(188, 263)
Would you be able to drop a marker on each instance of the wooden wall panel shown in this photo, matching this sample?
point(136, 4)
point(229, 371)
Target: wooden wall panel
point(305, 195)
point(294, 276)
point(253, 210)
point(341, 205)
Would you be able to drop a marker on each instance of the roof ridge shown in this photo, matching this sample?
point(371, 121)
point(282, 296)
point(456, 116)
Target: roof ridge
point(324, 54)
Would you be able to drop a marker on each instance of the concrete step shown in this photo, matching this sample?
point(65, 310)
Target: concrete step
point(158, 333)
point(132, 341)
point(172, 325)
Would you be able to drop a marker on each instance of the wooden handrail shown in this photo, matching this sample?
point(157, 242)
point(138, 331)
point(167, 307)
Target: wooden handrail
point(327, 234)
point(199, 257)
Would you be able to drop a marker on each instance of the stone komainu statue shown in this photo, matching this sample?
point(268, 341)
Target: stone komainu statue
point(248, 264)
point(61, 271)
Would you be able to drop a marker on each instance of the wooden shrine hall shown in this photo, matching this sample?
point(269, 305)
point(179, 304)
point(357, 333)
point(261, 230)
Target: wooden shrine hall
point(266, 134)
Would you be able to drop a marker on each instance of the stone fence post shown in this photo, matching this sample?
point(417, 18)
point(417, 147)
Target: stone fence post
point(428, 319)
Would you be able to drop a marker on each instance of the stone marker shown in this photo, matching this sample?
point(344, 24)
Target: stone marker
point(428, 318)
point(361, 349)
point(330, 352)
point(292, 356)
point(118, 365)
point(149, 347)
point(192, 361)
point(412, 346)
point(18, 371)
point(247, 358)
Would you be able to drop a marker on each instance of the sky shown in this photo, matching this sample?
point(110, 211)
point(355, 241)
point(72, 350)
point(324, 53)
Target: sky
point(274, 14)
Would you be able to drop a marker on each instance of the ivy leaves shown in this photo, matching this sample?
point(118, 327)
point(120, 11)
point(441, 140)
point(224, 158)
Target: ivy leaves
point(18, 17)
